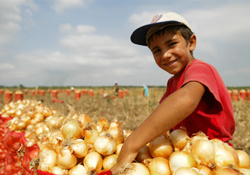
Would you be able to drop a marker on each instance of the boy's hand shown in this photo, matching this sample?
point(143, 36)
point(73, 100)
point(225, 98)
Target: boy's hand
point(125, 157)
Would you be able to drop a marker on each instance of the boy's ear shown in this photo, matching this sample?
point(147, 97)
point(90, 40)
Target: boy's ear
point(192, 42)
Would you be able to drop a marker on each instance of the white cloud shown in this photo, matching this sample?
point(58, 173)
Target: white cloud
point(61, 5)
point(6, 66)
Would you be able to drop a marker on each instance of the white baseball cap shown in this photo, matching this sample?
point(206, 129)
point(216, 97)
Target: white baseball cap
point(167, 19)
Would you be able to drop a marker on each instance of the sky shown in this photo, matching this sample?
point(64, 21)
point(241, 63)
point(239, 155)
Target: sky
point(87, 42)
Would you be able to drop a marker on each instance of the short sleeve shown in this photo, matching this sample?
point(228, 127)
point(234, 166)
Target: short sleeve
point(208, 76)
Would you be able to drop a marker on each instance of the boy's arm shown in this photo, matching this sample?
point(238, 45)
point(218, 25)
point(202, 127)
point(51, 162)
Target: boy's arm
point(169, 113)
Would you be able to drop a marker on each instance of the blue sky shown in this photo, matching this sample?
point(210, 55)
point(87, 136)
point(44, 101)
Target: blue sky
point(87, 42)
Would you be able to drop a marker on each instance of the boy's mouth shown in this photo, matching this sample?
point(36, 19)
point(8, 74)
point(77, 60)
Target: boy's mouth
point(170, 63)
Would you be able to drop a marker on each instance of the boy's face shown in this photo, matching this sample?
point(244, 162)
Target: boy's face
point(171, 51)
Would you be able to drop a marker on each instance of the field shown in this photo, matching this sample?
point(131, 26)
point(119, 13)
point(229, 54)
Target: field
point(133, 109)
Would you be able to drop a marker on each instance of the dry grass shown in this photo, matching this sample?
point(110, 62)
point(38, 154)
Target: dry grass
point(132, 110)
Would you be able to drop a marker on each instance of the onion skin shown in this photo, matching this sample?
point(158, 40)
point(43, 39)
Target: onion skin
point(186, 171)
point(135, 169)
point(105, 144)
point(93, 162)
point(159, 166)
point(78, 170)
point(224, 170)
point(203, 152)
point(109, 161)
point(143, 154)
point(160, 147)
point(180, 159)
point(179, 138)
point(244, 159)
point(71, 130)
point(47, 160)
point(116, 131)
point(80, 148)
point(65, 159)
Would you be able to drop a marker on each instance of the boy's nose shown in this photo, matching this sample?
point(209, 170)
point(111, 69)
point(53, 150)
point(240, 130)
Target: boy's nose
point(167, 54)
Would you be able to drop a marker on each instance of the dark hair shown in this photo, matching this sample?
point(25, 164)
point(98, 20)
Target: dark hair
point(182, 29)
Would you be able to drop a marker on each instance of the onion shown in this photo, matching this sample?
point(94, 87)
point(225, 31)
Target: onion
point(57, 170)
point(244, 159)
point(186, 171)
point(118, 149)
point(65, 159)
point(71, 130)
point(93, 162)
point(78, 170)
point(224, 170)
point(102, 125)
point(160, 147)
point(90, 134)
point(135, 169)
point(54, 122)
point(39, 117)
point(159, 166)
point(225, 155)
point(143, 154)
point(47, 160)
point(244, 171)
point(204, 170)
point(84, 119)
point(105, 144)
point(109, 161)
point(180, 159)
point(116, 131)
point(80, 148)
point(203, 152)
point(179, 138)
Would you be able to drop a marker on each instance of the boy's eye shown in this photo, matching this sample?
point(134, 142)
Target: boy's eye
point(172, 44)
point(156, 51)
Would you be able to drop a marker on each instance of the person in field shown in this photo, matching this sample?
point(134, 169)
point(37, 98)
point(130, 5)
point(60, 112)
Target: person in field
point(116, 88)
point(196, 97)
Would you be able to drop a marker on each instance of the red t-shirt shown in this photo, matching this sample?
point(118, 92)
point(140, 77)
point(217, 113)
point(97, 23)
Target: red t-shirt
point(214, 114)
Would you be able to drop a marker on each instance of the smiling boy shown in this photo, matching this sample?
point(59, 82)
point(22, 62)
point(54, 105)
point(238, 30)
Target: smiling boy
point(196, 97)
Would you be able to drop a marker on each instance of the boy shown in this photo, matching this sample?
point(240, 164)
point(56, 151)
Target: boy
point(196, 97)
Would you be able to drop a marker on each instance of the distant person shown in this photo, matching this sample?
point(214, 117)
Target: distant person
point(145, 91)
point(196, 97)
point(116, 87)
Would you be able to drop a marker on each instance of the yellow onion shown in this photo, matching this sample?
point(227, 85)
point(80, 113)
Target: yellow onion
point(224, 170)
point(21, 125)
point(54, 122)
point(78, 170)
point(71, 130)
point(225, 155)
point(203, 152)
point(39, 117)
point(57, 170)
point(126, 133)
point(80, 148)
point(93, 162)
point(204, 170)
point(143, 154)
point(47, 160)
point(105, 144)
point(180, 159)
point(160, 147)
point(116, 131)
point(186, 171)
point(244, 159)
point(244, 171)
point(90, 134)
point(118, 149)
point(84, 119)
point(135, 169)
point(65, 159)
point(109, 161)
point(179, 138)
point(102, 125)
point(159, 166)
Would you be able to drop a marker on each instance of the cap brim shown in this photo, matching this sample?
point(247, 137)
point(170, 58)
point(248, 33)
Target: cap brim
point(139, 35)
